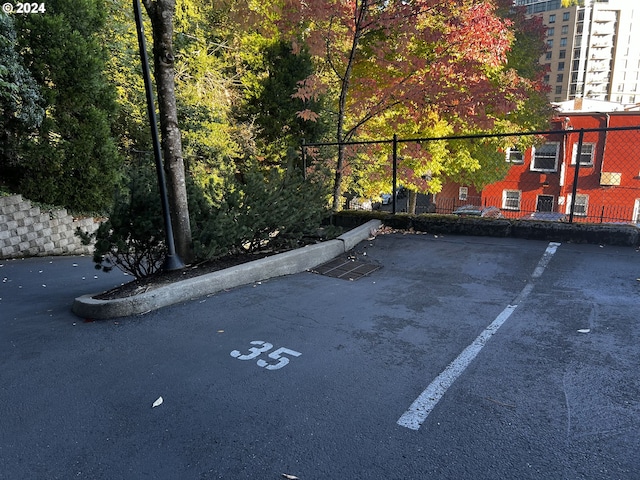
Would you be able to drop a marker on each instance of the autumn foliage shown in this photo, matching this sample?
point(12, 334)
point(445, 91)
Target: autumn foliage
point(414, 63)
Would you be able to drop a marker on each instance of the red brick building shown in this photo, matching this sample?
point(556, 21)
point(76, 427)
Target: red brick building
point(542, 178)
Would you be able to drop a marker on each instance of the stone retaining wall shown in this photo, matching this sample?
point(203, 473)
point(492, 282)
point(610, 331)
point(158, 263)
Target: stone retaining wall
point(26, 230)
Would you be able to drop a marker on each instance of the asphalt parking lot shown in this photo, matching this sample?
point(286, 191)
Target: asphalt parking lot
point(460, 358)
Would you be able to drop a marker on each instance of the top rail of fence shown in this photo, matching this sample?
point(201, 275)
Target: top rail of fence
point(470, 136)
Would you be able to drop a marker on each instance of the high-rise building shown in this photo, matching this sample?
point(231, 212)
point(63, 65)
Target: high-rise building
point(593, 50)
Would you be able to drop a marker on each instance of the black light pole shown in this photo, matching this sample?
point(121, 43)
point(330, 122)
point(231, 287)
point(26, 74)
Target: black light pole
point(172, 260)
point(394, 181)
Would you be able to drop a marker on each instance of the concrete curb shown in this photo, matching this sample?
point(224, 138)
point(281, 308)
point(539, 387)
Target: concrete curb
point(286, 263)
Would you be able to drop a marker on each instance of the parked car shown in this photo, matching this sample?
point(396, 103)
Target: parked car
point(547, 216)
point(475, 211)
point(387, 197)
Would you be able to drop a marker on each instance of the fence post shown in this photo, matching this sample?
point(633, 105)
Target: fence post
point(395, 174)
point(574, 189)
point(303, 149)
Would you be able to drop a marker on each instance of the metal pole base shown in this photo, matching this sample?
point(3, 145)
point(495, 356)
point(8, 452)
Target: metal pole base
point(172, 262)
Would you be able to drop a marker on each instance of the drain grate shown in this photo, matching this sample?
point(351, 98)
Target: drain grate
point(346, 269)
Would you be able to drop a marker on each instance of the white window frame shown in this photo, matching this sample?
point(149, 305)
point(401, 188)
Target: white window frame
point(510, 153)
point(636, 211)
point(506, 201)
point(584, 204)
point(555, 164)
point(463, 193)
point(591, 155)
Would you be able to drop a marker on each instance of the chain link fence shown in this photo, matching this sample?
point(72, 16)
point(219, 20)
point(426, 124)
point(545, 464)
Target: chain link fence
point(572, 175)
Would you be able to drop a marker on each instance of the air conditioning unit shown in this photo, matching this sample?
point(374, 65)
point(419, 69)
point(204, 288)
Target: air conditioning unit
point(610, 178)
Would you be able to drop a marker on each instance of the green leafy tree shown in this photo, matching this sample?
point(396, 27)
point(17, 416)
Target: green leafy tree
point(206, 90)
point(123, 69)
point(20, 100)
point(270, 75)
point(72, 161)
point(423, 68)
point(404, 63)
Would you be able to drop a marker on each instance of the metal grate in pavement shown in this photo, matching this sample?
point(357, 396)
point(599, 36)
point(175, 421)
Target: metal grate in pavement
point(346, 269)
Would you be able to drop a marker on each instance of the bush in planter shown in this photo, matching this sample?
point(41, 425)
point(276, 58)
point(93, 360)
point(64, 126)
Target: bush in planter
point(261, 211)
point(132, 238)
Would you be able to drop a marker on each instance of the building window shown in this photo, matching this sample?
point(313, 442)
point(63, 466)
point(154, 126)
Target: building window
point(566, 16)
point(559, 77)
point(565, 29)
point(563, 42)
point(562, 54)
point(515, 156)
point(636, 211)
point(550, 43)
point(545, 157)
point(547, 56)
point(552, 18)
point(546, 79)
point(544, 203)
point(550, 31)
point(511, 199)
point(582, 204)
point(560, 66)
point(586, 155)
point(558, 89)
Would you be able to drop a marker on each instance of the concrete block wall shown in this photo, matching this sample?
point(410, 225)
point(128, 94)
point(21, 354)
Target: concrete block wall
point(26, 231)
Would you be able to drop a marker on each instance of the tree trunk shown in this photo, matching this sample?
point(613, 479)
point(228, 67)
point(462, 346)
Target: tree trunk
point(161, 13)
point(360, 14)
point(337, 181)
point(412, 201)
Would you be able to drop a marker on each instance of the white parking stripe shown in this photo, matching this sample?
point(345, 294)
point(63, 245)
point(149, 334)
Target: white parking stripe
point(429, 398)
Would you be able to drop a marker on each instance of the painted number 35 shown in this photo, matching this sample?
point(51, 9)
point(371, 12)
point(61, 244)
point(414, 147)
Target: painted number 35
point(263, 347)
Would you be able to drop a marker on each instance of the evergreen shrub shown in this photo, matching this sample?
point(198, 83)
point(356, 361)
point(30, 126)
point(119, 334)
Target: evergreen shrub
point(261, 211)
point(132, 238)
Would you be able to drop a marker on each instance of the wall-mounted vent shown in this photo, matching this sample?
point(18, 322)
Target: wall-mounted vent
point(610, 178)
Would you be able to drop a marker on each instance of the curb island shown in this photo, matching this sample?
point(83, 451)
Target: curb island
point(361, 225)
point(286, 263)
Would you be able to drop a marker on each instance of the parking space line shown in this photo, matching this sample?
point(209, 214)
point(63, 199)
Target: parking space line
point(429, 398)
